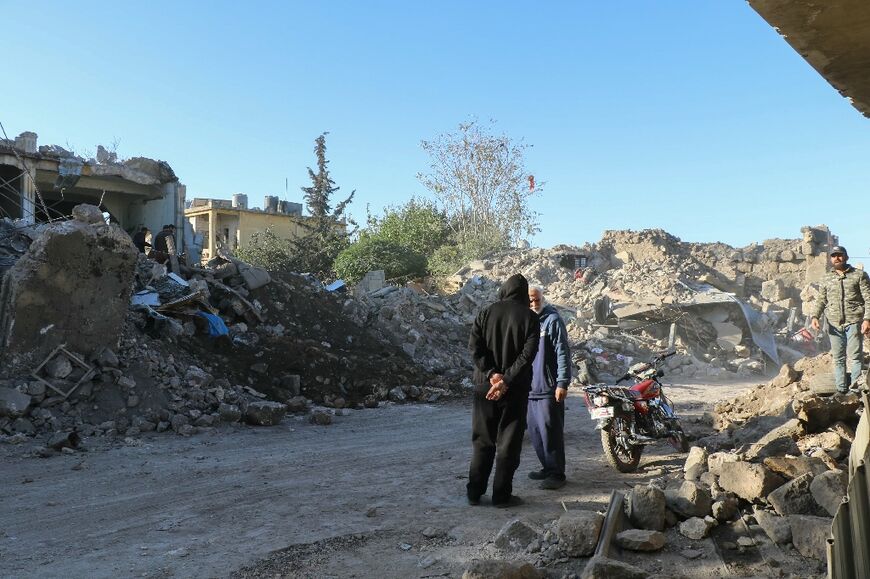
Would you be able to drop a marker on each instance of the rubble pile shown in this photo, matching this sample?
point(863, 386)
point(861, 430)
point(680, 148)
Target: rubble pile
point(222, 343)
point(432, 329)
point(620, 296)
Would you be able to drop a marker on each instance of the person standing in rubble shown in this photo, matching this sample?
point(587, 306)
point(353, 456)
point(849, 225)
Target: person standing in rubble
point(140, 239)
point(844, 299)
point(503, 344)
point(164, 244)
point(551, 373)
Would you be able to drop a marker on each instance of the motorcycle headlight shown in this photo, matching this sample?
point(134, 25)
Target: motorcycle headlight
point(600, 400)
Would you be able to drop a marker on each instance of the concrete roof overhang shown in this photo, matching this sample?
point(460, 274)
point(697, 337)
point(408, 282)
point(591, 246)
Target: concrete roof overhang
point(832, 35)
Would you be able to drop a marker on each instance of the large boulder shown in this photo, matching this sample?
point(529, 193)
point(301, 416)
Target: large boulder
point(646, 507)
point(689, 500)
point(696, 463)
point(795, 498)
point(809, 535)
point(72, 287)
point(774, 526)
point(578, 532)
point(829, 489)
point(604, 568)
point(641, 540)
point(749, 481)
point(13, 403)
point(265, 413)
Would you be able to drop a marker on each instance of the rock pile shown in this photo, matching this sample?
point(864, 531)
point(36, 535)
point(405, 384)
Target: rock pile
point(225, 343)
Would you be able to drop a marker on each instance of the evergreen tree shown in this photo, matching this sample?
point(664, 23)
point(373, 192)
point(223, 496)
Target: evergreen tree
point(327, 228)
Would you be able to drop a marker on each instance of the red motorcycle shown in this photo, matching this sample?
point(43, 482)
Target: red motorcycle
point(629, 418)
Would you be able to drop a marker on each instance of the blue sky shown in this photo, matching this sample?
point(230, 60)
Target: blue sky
point(695, 117)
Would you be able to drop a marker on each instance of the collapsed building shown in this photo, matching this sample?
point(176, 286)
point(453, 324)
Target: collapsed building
point(43, 183)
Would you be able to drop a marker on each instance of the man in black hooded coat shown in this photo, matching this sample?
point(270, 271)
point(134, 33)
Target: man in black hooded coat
point(503, 344)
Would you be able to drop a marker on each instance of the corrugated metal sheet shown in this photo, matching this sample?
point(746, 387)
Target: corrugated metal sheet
point(848, 552)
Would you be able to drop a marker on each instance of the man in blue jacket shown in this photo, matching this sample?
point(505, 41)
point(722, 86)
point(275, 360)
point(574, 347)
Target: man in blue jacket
point(551, 373)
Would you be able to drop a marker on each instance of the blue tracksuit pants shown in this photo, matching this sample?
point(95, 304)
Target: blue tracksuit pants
point(546, 426)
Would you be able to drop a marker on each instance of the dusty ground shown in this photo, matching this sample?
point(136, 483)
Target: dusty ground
point(348, 500)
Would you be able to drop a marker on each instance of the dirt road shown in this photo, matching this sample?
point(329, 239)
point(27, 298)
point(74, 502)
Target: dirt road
point(351, 499)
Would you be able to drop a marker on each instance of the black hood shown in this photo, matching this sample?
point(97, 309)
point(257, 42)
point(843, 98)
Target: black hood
point(515, 288)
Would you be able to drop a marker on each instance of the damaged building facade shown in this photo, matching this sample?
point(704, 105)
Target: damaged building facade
point(44, 183)
point(230, 224)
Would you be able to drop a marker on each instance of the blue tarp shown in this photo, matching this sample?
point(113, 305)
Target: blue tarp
point(216, 326)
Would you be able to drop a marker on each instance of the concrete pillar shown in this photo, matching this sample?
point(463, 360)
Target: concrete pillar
point(212, 228)
point(28, 193)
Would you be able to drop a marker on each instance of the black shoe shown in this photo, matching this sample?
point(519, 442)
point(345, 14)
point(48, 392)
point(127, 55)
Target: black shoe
point(474, 501)
point(552, 483)
point(538, 474)
point(513, 501)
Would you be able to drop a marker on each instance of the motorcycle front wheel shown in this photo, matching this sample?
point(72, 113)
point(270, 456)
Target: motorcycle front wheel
point(621, 457)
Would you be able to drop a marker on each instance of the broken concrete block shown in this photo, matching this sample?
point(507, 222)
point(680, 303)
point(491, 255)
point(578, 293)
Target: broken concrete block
point(24, 426)
point(605, 568)
point(578, 532)
point(320, 418)
point(695, 528)
point(794, 466)
point(71, 287)
point(696, 463)
point(490, 569)
point(60, 440)
point(829, 489)
point(89, 214)
point(646, 507)
point(787, 375)
point(264, 413)
point(58, 367)
point(690, 500)
point(641, 540)
point(717, 459)
point(775, 527)
point(229, 412)
point(773, 290)
point(254, 277)
point(725, 509)
point(829, 441)
point(516, 535)
point(13, 403)
point(778, 442)
point(178, 422)
point(820, 412)
point(809, 535)
point(795, 498)
point(197, 377)
point(749, 481)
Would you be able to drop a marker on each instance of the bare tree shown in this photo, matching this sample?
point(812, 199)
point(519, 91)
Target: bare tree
point(480, 180)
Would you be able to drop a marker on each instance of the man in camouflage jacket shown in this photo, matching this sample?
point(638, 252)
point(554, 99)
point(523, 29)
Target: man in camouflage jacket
point(844, 299)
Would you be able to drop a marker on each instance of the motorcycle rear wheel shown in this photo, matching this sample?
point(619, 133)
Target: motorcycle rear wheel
point(620, 458)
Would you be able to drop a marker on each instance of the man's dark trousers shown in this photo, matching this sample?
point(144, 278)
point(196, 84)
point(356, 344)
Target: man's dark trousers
point(546, 431)
point(497, 430)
